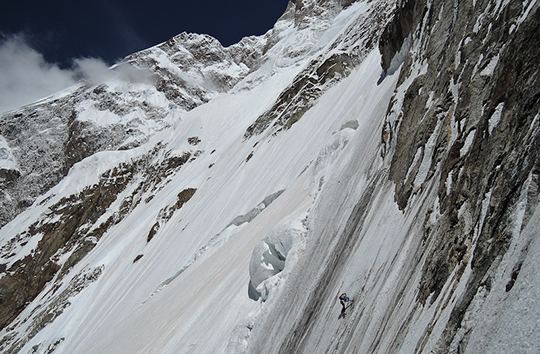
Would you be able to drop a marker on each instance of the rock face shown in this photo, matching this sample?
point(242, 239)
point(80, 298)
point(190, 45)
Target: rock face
point(27, 276)
point(389, 149)
point(192, 67)
point(393, 43)
point(468, 125)
point(70, 228)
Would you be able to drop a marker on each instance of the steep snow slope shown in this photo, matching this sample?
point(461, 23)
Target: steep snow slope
point(148, 248)
point(434, 240)
point(358, 146)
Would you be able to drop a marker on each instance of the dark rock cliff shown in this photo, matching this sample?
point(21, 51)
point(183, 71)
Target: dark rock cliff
point(475, 110)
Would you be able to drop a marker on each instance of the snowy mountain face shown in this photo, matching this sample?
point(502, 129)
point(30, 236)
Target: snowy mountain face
point(220, 199)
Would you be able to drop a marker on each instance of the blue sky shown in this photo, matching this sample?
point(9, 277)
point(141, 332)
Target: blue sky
point(62, 30)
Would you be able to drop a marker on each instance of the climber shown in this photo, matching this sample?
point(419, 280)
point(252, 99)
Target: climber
point(343, 300)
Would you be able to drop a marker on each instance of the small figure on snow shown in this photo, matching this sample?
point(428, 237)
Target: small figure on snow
point(343, 300)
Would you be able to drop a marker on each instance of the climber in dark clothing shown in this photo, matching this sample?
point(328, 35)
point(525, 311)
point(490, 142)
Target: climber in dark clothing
point(343, 300)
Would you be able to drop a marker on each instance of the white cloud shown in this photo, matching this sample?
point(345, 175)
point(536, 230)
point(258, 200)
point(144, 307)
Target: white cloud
point(25, 76)
point(95, 71)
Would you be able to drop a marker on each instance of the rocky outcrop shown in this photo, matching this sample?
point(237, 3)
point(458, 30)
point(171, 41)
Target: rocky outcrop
point(25, 278)
point(73, 226)
point(38, 134)
point(326, 70)
point(421, 225)
point(9, 169)
point(395, 35)
point(460, 160)
point(165, 214)
point(58, 301)
point(53, 135)
point(193, 67)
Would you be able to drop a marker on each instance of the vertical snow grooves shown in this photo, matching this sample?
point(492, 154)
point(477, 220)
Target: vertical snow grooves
point(451, 253)
point(340, 251)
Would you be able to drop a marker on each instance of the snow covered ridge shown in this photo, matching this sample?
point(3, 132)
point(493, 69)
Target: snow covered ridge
point(223, 206)
point(188, 70)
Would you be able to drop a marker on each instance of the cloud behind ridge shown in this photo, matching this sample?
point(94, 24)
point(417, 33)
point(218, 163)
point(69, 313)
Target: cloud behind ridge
point(25, 75)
